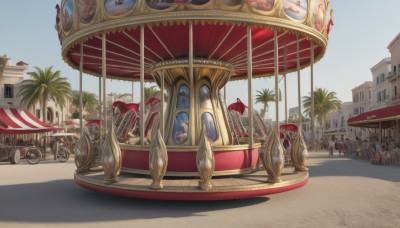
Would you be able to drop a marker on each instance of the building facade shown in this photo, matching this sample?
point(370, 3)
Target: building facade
point(394, 74)
point(381, 86)
point(11, 77)
point(362, 98)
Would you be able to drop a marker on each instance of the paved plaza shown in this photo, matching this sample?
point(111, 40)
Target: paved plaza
point(341, 192)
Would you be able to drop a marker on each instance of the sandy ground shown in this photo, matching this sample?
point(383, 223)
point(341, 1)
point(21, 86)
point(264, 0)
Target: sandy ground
point(340, 193)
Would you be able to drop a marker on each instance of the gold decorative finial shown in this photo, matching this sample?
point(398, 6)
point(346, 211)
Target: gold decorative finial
point(273, 158)
point(111, 156)
point(84, 154)
point(158, 161)
point(205, 161)
point(299, 152)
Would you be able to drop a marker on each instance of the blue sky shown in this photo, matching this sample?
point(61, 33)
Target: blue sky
point(359, 40)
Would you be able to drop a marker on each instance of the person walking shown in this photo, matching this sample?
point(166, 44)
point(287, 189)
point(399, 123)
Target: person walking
point(331, 145)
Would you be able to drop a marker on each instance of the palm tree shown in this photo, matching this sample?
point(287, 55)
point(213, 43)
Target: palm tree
point(43, 85)
point(150, 92)
point(324, 102)
point(89, 101)
point(264, 97)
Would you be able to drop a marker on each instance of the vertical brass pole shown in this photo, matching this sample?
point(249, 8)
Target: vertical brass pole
point(104, 73)
point(312, 97)
point(191, 86)
point(142, 84)
point(100, 111)
point(249, 83)
point(80, 90)
point(298, 79)
point(132, 91)
point(276, 72)
point(162, 104)
point(285, 84)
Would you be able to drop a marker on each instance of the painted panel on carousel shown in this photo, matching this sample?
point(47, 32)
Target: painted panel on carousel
point(86, 10)
point(183, 97)
point(264, 5)
point(164, 4)
point(67, 15)
point(319, 13)
point(181, 128)
point(205, 101)
point(207, 120)
point(296, 9)
point(232, 2)
point(118, 7)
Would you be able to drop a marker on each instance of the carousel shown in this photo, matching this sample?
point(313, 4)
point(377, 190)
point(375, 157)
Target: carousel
point(187, 143)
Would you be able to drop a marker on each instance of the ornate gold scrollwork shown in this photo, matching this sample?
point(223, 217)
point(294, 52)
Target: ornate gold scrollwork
point(158, 161)
point(111, 156)
point(84, 152)
point(299, 152)
point(205, 161)
point(273, 158)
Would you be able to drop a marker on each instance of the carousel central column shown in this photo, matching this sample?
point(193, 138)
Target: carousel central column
point(249, 83)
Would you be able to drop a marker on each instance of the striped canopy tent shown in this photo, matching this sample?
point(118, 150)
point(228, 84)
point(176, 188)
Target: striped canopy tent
point(14, 121)
point(380, 118)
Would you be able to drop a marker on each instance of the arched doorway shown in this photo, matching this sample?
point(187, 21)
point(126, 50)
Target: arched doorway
point(50, 115)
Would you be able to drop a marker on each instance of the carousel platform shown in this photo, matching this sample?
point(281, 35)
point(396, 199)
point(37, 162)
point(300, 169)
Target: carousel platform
point(224, 188)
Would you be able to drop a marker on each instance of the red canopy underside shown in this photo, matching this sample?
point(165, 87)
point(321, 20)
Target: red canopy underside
point(385, 117)
point(13, 121)
point(215, 42)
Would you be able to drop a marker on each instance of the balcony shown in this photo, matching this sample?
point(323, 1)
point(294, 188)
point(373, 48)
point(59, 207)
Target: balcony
point(393, 76)
point(395, 99)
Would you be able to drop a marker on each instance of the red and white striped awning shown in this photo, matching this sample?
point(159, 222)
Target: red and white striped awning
point(13, 121)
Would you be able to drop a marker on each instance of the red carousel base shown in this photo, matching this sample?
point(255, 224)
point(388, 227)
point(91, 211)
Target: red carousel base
point(232, 187)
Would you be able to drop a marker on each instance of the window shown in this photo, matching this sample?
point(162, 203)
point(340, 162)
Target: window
point(394, 69)
point(369, 94)
point(8, 91)
point(395, 90)
point(377, 80)
point(180, 130)
point(384, 95)
point(38, 113)
point(183, 97)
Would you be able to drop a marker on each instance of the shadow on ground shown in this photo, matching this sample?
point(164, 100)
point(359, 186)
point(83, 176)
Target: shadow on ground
point(64, 201)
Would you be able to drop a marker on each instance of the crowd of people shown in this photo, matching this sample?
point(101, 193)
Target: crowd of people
point(385, 152)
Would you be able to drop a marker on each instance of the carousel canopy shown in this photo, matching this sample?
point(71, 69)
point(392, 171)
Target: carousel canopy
point(13, 121)
point(385, 117)
point(219, 33)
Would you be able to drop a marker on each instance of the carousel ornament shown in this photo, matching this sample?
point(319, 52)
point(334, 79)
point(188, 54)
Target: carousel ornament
point(330, 24)
point(205, 161)
point(84, 152)
point(273, 158)
point(111, 156)
point(299, 152)
point(158, 161)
